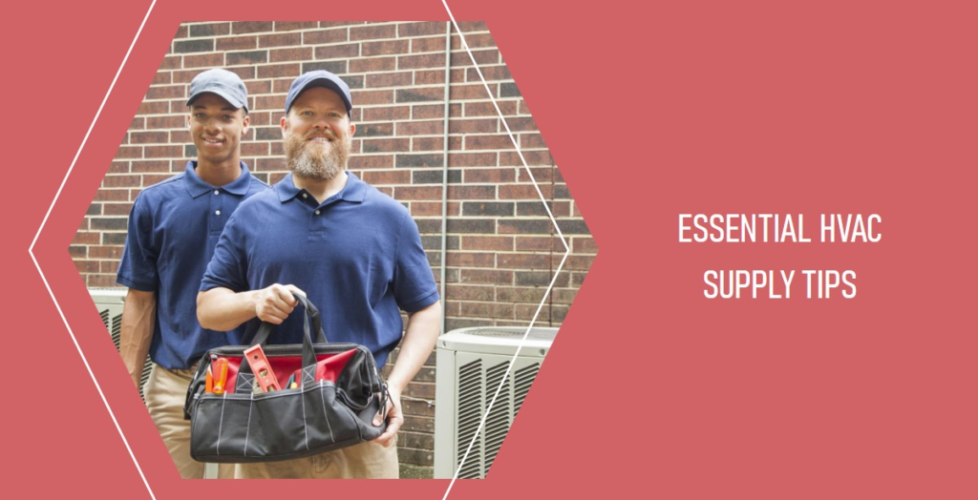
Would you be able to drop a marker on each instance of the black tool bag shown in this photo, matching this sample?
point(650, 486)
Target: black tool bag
point(339, 393)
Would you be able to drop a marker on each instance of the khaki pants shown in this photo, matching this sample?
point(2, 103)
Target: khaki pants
point(362, 461)
point(166, 393)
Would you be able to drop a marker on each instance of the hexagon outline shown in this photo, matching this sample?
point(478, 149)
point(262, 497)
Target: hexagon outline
point(84, 142)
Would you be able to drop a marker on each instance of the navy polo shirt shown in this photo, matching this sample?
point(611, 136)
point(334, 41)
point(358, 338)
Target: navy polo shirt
point(174, 227)
point(358, 257)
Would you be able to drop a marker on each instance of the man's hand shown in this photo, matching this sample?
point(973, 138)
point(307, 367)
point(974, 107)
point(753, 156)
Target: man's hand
point(419, 339)
point(275, 303)
point(222, 309)
point(395, 417)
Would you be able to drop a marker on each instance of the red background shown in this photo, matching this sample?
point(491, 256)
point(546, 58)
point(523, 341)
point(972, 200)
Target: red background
point(651, 391)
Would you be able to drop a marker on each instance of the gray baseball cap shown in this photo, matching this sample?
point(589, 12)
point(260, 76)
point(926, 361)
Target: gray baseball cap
point(221, 82)
point(319, 78)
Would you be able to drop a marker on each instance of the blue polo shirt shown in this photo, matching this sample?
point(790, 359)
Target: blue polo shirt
point(358, 257)
point(174, 227)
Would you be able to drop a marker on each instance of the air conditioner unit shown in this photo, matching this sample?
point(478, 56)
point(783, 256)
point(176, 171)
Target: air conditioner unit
point(471, 363)
point(109, 303)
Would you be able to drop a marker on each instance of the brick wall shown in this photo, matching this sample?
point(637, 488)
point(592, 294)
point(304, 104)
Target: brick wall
point(502, 251)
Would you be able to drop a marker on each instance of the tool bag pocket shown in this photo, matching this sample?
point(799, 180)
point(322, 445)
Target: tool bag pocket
point(339, 392)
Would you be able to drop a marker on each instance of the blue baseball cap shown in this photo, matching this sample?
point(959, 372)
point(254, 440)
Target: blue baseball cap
point(319, 78)
point(223, 83)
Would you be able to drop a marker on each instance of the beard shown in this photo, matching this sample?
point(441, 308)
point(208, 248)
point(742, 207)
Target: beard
point(310, 160)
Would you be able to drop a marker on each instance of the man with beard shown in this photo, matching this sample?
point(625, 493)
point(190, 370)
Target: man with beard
point(352, 250)
point(173, 230)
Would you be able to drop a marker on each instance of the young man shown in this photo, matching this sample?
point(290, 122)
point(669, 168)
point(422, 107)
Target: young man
point(355, 252)
point(173, 229)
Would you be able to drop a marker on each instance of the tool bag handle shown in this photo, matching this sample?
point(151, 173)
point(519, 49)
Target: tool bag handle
point(308, 353)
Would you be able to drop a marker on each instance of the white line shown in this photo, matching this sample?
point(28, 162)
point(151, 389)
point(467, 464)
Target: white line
point(30, 250)
point(552, 281)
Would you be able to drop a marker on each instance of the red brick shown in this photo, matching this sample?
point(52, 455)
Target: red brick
point(389, 79)
point(473, 41)
point(431, 77)
point(105, 252)
point(387, 177)
point(421, 61)
point(294, 25)
point(433, 44)
point(166, 92)
point(280, 40)
point(479, 126)
point(489, 175)
point(417, 193)
point(386, 113)
point(469, 292)
point(164, 122)
point(422, 29)
point(369, 97)
point(112, 181)
point(523, 192)
point(487, 109)
point(476, 309)
point(490, 73)
point(324, 36)
point(112, 195)
point(279, 70)
point(373, 32)
point(237, 43)
point(385, 47)
point(163, 151)
point(428, 144)
point(496, 243)
point(373, 64)
point(482, 58)
point(471, 192)
point(291, 54)
point(528, 312)
point(520, 294)
point(86, 238)
point(484, 276)
point(431, 127)
point(251, 26)
point(276, 102)
point(119, 167)
point(428, 111)
point(203, 61)
point(469, 159)
point(117, 208)
point(338, 51)
point(532, 141)
point(584, 244)
point(467, 27)
point(148, 137)
point(531, 157)
point(259, 87)
point(425, 209)
point(171, 62)
point(579, 262)
point(385, 145)
point(476, 142)
point(538, 243)
point(87, 266)
point(371, 161)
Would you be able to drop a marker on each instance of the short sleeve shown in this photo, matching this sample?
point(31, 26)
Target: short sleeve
point(137, 268)
point(227, 268)
point(414, 284)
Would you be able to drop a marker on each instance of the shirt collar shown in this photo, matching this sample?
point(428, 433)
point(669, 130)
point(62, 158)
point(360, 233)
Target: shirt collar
point(354, 191)
point(197, 187)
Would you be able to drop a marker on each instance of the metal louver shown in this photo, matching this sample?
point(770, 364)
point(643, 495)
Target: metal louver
point(109, 302)
point(471, 363)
